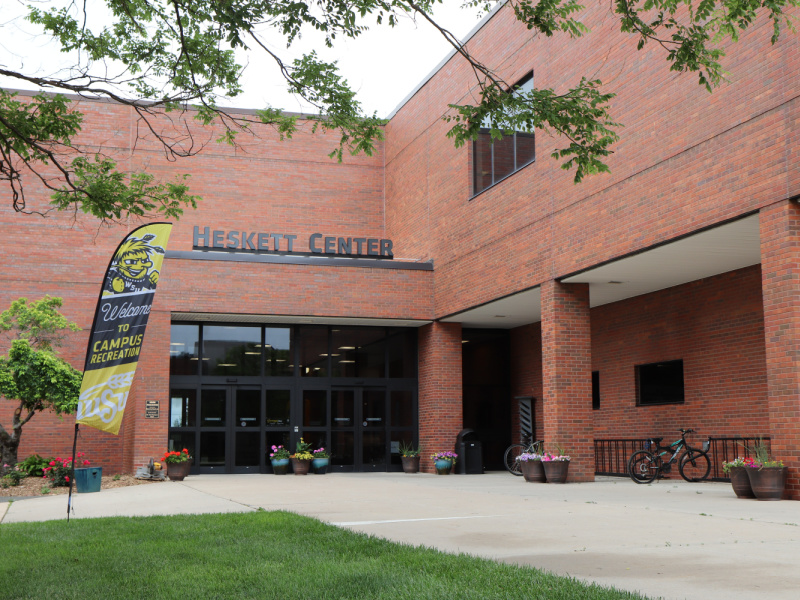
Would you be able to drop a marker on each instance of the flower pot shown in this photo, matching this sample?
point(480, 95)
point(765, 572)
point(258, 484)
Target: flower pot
point(740, 481)
point(280, 466)
point(532, 471)
point(178, 471)
point(556, 470)
point(768, 483)
point(300, 467)
point(88, 480)
point(320, 465)
point(410, 464)
point(443, 467)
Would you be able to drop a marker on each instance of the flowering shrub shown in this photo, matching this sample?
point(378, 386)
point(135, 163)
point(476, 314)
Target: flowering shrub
point(447, 455)
point(58, 470)
point(547, 457)
point(176, 457)
point(321, 453)
point(528, 456)
point(279, 453)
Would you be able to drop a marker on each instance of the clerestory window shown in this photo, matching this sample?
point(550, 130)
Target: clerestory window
point(494, 160)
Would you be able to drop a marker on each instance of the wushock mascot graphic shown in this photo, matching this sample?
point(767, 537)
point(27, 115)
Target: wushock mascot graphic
point(119, 324)
point(131, 269)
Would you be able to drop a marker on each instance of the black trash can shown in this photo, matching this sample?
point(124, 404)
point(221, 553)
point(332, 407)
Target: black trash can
point(470, 453)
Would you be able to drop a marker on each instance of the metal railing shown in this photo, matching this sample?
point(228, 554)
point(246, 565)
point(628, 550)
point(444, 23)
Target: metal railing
point(611, 456)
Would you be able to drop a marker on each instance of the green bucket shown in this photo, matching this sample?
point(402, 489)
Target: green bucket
point(88, 480)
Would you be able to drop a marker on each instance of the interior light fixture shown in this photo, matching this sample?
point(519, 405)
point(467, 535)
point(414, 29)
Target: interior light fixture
point(341, 362)
point(227, 364)
point(347, 347)
point(177, 344)
point(253, 353)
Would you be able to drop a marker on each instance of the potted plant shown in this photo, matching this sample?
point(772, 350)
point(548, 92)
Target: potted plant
point(178, 464)
point(321, 460)
point(302, 457)
point(740, 480)
point(279, 458)
point(444, 461)
point(530, 463)
point(556, 466)
point(409, 455)
point(767, 475)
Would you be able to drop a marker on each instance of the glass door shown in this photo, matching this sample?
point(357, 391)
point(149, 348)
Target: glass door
point(247, 454)
point(358, 429)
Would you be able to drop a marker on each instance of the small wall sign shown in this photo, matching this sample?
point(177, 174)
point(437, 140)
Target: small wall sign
point(151, 409)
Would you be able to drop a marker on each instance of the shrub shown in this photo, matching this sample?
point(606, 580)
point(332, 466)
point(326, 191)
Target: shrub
point(34, 465)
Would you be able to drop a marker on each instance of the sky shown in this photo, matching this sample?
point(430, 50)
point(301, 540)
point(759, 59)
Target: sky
point(383, 65)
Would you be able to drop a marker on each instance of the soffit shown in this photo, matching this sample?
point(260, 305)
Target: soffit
point(711, 252)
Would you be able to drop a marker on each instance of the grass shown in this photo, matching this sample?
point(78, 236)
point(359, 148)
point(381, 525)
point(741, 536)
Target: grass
point(260, 555)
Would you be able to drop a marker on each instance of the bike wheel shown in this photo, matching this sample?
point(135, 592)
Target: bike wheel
point(694, 466)
point(643, 467)
point(510, 458)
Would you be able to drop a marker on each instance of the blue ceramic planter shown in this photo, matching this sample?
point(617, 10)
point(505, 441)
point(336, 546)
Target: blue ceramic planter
point(320, 465)
point(280, 466)
point(443, 467)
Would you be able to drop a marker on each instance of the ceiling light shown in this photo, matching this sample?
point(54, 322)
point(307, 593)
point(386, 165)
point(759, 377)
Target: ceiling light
point(347, 347)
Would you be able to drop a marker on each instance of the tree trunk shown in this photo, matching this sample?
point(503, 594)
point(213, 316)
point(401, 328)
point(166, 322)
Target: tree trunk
point(8, 452)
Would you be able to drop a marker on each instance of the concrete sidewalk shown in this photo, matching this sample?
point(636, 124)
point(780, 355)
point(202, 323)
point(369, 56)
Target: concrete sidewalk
point(670, 539)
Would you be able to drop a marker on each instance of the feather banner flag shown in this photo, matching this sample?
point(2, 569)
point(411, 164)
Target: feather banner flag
point(120, 320)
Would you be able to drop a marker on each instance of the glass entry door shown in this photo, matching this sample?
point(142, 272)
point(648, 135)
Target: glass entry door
point(358, 429)
point(230, 431)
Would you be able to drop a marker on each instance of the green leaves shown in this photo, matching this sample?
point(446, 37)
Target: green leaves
point(39, 322)
point(100, 189)
point(580, 115)
point(39, 379)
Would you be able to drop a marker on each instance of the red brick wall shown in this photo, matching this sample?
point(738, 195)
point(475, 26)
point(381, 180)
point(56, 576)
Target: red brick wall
point(780, 277)
point(714, 325)
point(265, 186)
point(440, 382)
point(567, 375)
point(687, 159)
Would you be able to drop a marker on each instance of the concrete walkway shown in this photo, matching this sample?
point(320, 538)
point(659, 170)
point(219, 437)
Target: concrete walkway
point(670, 539)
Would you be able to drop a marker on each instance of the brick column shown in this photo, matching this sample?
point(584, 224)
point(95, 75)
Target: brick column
point(780, 289)
point(147, 438)
point(440, 389)
point(567, 375)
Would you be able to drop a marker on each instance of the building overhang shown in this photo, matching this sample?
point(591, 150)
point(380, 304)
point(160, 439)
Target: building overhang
point(717, 250)
point(294, 319)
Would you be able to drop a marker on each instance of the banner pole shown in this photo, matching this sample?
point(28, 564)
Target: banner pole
point(72, 470)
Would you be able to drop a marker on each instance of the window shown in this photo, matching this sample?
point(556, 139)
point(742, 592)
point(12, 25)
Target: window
point(595, 390)
point(494, 160)
point(659, 383)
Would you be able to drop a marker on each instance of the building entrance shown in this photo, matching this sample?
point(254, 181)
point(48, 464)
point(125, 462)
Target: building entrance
point(238, 391)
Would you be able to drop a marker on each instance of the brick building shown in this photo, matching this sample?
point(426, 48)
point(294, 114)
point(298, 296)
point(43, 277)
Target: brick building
point(662, 295)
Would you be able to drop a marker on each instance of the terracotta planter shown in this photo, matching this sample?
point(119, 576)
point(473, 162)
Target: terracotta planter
point(768, 483)
point(556, 470)
point(533, 471)
point(740, 481)
point(300, 467)
point(443, 467)
point(410, 464)
point(178, 471)
point(280, 466)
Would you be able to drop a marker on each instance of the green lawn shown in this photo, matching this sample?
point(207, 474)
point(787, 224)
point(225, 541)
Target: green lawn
point(252, 555)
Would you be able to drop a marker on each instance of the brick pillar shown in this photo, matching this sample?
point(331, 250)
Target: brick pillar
point(440, 389)
point(147, 438)
point(567, 375)
point(780, 289)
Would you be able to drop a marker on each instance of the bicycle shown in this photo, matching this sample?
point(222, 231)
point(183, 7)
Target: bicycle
point(694, 465)
point(514, 450)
